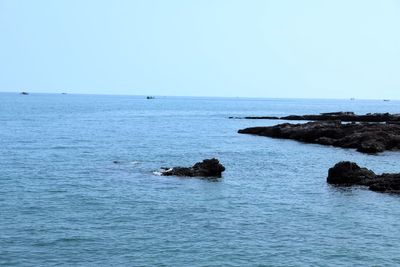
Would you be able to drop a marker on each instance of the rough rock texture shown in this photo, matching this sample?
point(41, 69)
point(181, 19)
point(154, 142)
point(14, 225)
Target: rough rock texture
point(206, 168)
point(347, 173)
point(365, 137)
point(386, 182)
point(339, 116)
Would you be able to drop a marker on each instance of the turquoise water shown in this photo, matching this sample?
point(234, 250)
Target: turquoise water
point(64, 202)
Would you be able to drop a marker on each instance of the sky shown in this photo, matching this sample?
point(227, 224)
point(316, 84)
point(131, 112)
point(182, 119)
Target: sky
point(247, 48)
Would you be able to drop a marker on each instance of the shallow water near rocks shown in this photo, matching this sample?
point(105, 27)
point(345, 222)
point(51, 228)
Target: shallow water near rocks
point(64, 201)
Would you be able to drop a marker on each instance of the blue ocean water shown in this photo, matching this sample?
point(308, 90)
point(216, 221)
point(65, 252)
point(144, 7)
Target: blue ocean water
point(64, 202)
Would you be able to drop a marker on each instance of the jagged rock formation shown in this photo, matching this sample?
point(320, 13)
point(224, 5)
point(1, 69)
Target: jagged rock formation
point(347, 173)
point(339, 116)
point(365, 137)
point(206, 168)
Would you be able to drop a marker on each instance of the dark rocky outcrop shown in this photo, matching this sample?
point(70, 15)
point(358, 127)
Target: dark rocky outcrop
point(206, 168)
point(387, 183)
point(339, 116)
point(347, 173)
point(365, 137)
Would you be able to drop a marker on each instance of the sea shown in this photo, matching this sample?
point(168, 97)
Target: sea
point(78, 186)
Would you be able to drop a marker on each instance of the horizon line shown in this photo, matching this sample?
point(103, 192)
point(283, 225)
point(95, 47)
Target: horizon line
point(204, 96)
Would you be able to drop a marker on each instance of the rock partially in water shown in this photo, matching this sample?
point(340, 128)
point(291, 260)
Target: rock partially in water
point(339, 116)
point(387, 183)
point(206, 168)
point(365, 137)
point(347, 173)
point(347, 117)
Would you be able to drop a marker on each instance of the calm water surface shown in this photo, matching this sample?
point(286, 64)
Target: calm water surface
point(64, 202)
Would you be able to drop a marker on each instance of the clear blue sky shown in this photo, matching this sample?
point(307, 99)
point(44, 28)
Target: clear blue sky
point(254, 48)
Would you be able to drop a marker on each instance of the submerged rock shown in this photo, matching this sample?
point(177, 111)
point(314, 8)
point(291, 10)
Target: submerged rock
point(365, 137)
point(347, 173)
point(206, 168)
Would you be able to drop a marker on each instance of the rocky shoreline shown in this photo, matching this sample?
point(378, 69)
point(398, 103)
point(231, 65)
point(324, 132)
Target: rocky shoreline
point(337, 116)
point(365, 137)
point(347, 173)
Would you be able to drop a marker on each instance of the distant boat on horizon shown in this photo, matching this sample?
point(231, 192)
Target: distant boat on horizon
point(150, 97)
point(352, 98)
point(24, 93)
point(386, 100)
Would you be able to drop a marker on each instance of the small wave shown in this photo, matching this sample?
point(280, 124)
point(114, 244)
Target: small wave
point(61, 240)
point(60, 147)
point(161, 171)
point(126, 162)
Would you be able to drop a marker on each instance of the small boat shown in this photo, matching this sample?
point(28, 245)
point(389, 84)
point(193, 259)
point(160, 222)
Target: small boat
point(386, 100)
point(352, 99)
point(150, 97)
point(24, 93)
